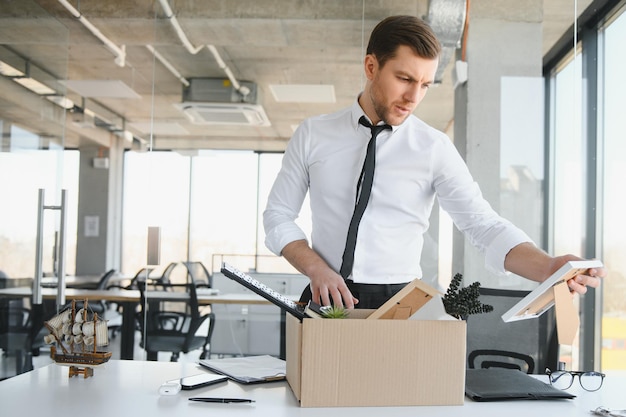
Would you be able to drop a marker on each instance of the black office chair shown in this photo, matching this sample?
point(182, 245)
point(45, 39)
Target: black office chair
point(174, 326)
point(100, 306)
point(16, 334)
point(528, 345)
point(200, 274)
point(164, 279)
point(143, 274)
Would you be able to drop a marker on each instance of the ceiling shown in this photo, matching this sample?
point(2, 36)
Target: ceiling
point(317, 45)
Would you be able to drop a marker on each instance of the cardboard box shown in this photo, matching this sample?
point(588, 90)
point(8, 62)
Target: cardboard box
point(357, 362)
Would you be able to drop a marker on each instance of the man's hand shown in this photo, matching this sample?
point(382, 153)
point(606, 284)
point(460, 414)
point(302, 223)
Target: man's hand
point(326, 284)
point(531, 262)
point(579, 284)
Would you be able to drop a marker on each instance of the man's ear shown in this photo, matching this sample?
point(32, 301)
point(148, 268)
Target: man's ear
point(371, 66)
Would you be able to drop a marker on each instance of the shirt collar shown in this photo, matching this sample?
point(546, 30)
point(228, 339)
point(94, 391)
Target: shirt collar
point(356, 112)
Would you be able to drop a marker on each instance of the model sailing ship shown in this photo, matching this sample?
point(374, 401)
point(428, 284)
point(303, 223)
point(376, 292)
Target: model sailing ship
point(76, 336)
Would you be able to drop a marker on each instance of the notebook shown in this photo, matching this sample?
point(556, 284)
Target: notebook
point(498, 384)
point(248, 369)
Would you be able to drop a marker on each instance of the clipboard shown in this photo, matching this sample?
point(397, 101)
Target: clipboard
point(264, 291)
point(248, 369)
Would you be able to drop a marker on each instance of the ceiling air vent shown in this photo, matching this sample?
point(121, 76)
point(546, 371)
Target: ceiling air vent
point(215, 101)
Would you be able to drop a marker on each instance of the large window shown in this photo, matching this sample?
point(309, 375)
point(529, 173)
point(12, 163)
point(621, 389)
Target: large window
point(24, 170)
point(588, 149)
point(613, 172)
point(568, 178)
point(209, 207)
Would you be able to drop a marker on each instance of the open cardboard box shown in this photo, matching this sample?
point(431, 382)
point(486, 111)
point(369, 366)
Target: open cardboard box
point(385, 362)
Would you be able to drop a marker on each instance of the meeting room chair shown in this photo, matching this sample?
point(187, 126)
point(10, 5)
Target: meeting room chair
point(200, 274)
point(100, 306)
point(140, 276)
point(175, 326)
point(164, 279)
point(528, 345)
point(16, 334)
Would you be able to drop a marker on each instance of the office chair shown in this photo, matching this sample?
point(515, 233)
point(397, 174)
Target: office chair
point(16, 334)
point(174, 326)
point(200, 274)
point(100, 306)
point(164, 279)
point(530, 345)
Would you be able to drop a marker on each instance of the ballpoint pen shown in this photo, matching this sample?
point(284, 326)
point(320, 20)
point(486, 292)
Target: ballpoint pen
point(221, 400)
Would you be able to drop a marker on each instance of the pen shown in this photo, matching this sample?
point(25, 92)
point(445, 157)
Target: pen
point(221, 400)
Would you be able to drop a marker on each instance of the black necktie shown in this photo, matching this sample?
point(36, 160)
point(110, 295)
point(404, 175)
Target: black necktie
point(363, 190)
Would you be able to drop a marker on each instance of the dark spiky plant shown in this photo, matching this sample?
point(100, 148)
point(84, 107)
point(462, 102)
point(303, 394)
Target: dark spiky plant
point(460, 302)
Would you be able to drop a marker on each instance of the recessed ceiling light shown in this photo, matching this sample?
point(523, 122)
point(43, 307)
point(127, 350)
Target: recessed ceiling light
point(303, 93)
point(34, 85)
point(9, 71)
point(101, 88)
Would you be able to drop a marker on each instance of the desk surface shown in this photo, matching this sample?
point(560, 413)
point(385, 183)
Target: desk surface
point(130, 388)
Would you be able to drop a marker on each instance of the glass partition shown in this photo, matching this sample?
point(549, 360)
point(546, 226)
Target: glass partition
point(111, 129)
point(39, 170)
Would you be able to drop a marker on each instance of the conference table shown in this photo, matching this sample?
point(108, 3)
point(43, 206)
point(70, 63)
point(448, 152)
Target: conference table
point(129, 299)
point(131, 388)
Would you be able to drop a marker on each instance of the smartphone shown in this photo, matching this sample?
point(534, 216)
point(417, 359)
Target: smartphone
point(201, 380)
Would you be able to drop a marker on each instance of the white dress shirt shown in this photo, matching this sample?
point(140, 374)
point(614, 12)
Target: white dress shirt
point(414, 163)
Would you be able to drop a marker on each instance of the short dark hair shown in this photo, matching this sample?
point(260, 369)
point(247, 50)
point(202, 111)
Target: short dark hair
point(411, 31)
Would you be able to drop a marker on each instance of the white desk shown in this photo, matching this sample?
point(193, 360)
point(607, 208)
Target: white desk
point(130, 389)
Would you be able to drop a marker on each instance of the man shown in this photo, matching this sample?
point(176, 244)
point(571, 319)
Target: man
point(414, 163)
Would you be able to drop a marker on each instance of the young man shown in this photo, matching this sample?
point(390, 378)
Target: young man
point(414, 163)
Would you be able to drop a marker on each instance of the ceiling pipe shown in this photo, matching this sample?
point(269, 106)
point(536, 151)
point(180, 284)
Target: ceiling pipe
point(120, 53)
point(179, 30)
point(243, 90)
point(167, 65)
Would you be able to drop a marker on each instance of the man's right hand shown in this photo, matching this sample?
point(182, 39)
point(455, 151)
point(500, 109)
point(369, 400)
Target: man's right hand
point(329, 285)
point(326, 283)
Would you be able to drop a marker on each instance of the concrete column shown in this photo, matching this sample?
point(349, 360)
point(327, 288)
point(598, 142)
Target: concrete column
point(99, 208)
point(504, 40)
point(93, 194)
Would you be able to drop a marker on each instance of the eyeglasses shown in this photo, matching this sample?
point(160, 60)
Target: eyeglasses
point(589, 380)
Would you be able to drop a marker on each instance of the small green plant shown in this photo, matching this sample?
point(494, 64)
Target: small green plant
point(460, 302)
point(334, 312)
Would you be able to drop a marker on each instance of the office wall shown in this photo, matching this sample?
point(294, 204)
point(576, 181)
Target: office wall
point(92, 215)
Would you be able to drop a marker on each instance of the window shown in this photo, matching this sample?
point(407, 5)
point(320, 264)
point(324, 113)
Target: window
point(209, 207)
point(587, 170)
point(613, 169)
point(24, 171)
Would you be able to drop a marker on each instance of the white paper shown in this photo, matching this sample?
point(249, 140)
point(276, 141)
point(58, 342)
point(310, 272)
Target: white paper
point(432, 310)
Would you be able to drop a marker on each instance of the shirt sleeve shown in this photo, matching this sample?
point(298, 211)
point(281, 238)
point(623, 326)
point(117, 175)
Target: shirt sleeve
point(287, 195)
point(460, 196)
